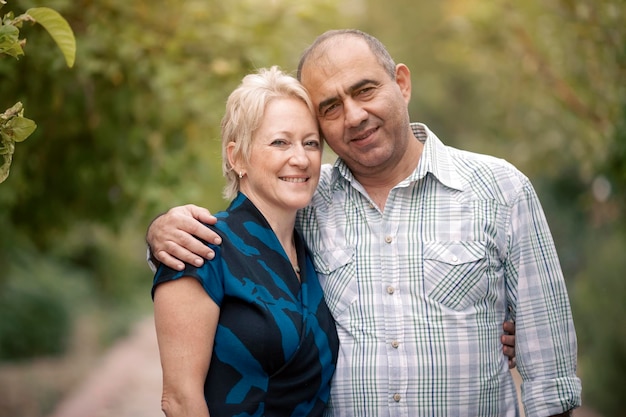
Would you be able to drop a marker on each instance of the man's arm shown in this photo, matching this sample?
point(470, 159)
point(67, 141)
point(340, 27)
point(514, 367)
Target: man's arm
point(536, 291)
point(173, 237)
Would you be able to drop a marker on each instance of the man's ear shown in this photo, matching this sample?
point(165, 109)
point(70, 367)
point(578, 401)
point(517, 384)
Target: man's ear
point(403, 79)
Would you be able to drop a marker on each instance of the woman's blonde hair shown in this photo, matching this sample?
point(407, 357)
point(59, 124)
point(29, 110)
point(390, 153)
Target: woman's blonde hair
point(244, 112)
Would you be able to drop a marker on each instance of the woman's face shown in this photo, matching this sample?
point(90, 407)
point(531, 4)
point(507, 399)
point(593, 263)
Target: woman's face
point(285, 158)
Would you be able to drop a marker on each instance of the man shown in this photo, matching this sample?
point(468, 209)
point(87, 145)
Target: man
point(423, 251)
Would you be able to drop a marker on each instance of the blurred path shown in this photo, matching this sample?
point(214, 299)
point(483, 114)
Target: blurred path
point(126, 382)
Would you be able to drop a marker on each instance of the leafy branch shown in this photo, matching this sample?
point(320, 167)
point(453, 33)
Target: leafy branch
point(14, 127)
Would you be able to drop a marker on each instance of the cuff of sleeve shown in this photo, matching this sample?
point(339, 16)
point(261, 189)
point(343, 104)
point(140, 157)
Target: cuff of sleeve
point(551, 397)
point(152, 262)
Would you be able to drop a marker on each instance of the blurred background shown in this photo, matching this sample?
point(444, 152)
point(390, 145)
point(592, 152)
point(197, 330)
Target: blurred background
point(133, 129)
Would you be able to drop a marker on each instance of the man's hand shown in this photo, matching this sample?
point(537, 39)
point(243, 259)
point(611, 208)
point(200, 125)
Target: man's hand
point(508, 342)
point(173, 236)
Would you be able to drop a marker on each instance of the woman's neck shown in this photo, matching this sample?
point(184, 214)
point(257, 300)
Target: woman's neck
point(282, 222)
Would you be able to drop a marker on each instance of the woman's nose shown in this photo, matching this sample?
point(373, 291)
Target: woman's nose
point(299, 156)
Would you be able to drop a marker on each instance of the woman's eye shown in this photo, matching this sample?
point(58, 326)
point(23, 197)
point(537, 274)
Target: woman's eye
point(312, 144)
point(279, 142)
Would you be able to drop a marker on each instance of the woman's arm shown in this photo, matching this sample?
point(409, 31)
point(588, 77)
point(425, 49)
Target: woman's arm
point(186, 320)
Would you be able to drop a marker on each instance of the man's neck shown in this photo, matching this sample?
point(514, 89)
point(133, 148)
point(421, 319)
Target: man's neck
point(379, 186)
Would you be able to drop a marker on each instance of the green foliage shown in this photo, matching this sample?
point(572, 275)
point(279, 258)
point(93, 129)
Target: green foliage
point(37, 300)
point(9, 40)
point(59, 29)
point(13, 126)
point(131, 130)
point(33, 324)
point(598, 305)
point(135, 125)
point(533, 81)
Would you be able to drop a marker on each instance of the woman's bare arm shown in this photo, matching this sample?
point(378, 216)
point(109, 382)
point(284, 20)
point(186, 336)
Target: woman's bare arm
point(186, 320)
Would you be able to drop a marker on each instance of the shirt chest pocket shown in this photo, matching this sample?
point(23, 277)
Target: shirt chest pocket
point(337, 275)
point(455, 273)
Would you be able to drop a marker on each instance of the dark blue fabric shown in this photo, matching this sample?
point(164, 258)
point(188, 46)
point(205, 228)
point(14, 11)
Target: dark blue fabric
point(276, 343)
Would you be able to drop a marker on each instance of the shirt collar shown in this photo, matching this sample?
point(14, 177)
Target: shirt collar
point(435, 159)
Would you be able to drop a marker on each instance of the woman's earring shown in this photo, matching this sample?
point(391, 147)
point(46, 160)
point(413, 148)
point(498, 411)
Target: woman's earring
point(240, 175)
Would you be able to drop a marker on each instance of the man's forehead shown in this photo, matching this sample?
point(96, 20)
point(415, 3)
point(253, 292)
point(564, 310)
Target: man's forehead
point(323, 82)
point(339, 64)
point(339, 52)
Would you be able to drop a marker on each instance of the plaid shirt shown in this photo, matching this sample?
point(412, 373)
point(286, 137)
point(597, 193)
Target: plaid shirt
point(420, 291)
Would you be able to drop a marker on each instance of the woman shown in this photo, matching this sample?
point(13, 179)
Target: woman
point(249, 333)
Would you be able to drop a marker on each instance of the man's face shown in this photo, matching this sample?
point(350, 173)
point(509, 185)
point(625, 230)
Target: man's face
point(361, 110)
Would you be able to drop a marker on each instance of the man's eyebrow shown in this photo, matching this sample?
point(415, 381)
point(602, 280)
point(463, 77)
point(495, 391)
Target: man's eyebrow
point(351, 89)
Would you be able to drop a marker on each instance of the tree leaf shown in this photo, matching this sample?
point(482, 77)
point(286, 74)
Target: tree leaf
point(18, 129)
point(9, 42)
point(59, 29)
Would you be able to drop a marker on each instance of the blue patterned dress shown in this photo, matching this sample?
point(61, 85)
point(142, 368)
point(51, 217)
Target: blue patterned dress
point(276, 343)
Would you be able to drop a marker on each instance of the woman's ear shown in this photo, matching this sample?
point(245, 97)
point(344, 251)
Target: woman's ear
point(233, 159)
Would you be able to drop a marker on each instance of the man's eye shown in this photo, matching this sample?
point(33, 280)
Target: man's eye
point(331, 111)
point(365, 91)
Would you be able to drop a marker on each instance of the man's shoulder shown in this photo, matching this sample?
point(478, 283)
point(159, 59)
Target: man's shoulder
point(475, 160)
point(459, 158)
point(485, 161)
point(488, 174)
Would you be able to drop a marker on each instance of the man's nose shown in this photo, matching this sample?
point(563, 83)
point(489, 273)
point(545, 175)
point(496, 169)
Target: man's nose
point(355, 114)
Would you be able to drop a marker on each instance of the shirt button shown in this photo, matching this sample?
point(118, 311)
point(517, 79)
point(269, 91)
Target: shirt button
point(390, 290)
point(397, 397)
point(454, 259)
point(388, 239)
point(395, 344)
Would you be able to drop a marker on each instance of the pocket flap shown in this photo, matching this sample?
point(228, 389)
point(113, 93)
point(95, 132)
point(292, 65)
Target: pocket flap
point(454, 253)
point(328, 260)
